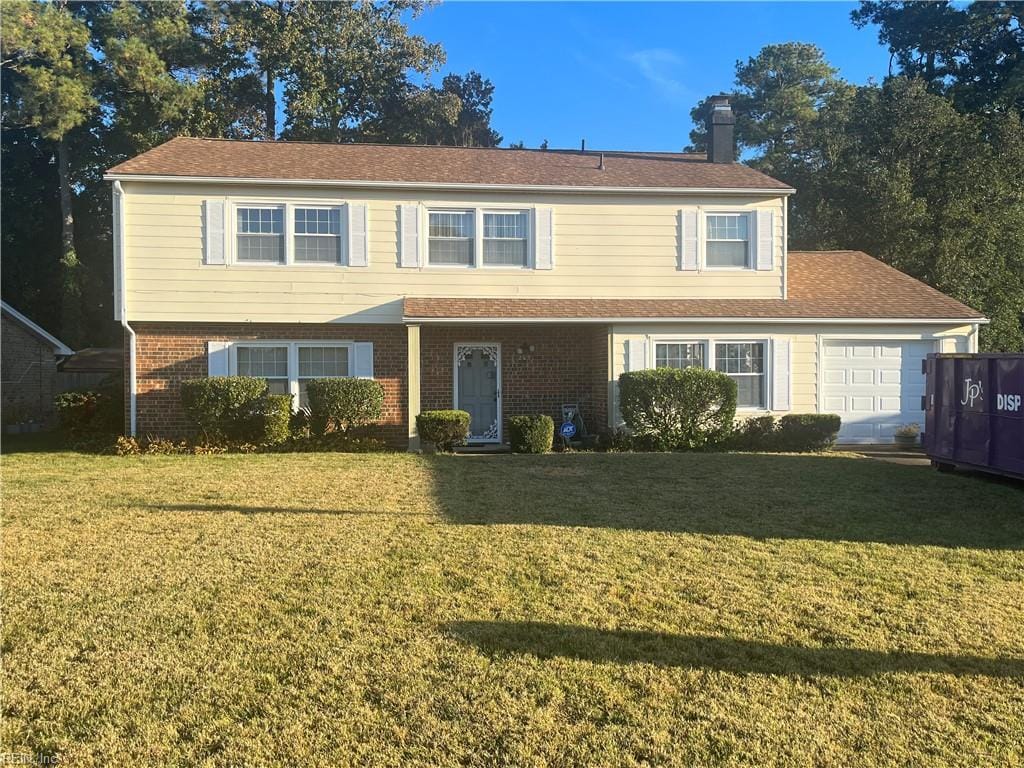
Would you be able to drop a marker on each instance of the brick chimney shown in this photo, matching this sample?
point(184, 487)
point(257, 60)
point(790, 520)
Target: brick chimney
point(721, 142)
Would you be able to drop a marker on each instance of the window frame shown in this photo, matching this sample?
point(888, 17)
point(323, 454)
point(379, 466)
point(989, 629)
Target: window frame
point(766, 374)
point(751, 264)
point(527, 237)
point(478, 211)
point(710, 343)
point(474, 254)
point(704, 344)
point(235, 233)
point(293, 359)
point(288, 206)
point(342, 235)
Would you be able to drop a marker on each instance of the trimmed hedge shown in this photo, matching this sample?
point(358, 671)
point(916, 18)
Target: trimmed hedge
point(672, 409)
point(236, 410)
point(221, 407)
point(531, 434)
point(793, 433)
point(343, 405)
point(756, 433)
point(77, 411)
point(807, 432)
point(89, 414)
point(445, 429)
point(271, 419)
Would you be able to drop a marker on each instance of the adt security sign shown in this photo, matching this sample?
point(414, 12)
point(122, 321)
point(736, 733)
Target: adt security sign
point(567, 430)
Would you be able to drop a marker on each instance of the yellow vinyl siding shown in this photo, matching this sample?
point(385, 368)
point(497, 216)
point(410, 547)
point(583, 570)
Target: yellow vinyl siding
point(804, 345)
point(606, 246)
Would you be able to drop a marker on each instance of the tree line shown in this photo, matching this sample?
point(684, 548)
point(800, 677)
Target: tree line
point(86, 85)
point(924, 170)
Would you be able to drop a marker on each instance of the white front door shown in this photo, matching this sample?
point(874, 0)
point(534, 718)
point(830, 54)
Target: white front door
point(874, 386)
point(478, 389)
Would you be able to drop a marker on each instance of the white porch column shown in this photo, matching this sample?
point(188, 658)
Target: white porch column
point(413, 382)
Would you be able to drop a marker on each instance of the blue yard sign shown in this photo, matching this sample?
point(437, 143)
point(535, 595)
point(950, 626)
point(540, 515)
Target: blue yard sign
point(567, 430)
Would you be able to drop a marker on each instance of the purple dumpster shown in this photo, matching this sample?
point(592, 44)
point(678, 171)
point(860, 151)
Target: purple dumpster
point(974, 412)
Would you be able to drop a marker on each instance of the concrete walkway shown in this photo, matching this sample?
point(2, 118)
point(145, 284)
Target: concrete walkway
point(912, 457)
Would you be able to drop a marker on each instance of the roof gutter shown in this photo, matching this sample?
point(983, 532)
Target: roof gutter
point(418, 185)
point(717, 320)
point(120, 281)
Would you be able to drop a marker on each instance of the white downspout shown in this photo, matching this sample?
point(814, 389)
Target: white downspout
point(122, 300)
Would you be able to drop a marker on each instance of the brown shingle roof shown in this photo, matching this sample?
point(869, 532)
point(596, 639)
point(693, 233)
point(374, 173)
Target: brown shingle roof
point(822, 284)
point(280, 160)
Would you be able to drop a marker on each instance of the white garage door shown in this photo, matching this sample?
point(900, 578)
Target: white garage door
point(874, 386)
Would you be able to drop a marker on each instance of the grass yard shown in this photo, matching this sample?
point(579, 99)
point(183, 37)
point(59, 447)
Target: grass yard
point(395, 610)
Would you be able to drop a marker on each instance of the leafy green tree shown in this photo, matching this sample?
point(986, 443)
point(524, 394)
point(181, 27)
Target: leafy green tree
point(778, 94)
point(351, 78)
point(472, 126)
point(897, 171)
point(46, 50)
point(975, 54)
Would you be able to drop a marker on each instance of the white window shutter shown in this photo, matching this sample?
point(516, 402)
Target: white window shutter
point(688, 239)
point(780, 375)
point(363, 367)
point(409, 236)
point(213, 232)
point(636, 354)
point(217, 358)
point(358, 244)
point(543, 238)
point(764, 227)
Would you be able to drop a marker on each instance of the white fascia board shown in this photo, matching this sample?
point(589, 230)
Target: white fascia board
point(655, 320)
point(59, 347)
point(416, 185)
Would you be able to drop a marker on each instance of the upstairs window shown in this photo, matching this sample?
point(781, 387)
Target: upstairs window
point(451, 238)
point(261, 235)
point(317, 235)
point(728, 241)
point(265, 362)
point(743, 362)
point(679, 355)
point(505, 239)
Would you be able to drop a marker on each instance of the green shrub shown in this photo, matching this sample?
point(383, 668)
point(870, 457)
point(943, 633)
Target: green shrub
point(672, 409)
point(531, 434)
point(271, 418)
point(806, 432)
point(222, 407)
point(342, 405)
point(88, 414)
point(445, 429)
point(757, 433)
point(76, 411)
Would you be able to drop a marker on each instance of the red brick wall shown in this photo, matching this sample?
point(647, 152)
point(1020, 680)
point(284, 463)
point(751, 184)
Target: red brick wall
point(169, 353)
point(29, 372)
point(568, 365)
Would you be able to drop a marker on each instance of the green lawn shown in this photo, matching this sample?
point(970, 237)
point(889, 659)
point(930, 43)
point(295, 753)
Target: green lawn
point(561, 610)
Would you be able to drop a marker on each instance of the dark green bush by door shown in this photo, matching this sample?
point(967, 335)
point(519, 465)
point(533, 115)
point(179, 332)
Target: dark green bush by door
point(531, 434)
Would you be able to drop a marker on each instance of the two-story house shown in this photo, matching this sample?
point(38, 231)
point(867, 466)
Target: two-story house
point(503, 281)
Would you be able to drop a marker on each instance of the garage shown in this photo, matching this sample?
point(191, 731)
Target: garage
point(874, 386)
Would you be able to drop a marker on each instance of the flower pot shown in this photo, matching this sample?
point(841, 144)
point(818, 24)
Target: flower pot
point(906, 441)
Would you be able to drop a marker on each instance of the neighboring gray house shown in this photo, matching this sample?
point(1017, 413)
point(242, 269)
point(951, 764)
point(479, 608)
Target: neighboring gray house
point(28, 369)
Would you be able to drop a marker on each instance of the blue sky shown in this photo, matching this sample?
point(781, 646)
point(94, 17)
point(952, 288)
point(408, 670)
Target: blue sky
point(625, 75)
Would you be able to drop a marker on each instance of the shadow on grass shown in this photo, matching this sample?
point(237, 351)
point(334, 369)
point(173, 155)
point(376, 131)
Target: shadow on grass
point(546, 641)
point(763, 496)
point(36, 442)
point(243, 509)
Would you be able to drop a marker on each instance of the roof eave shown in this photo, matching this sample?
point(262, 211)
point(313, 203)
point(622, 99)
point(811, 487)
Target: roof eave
point(417, 319)
point(59, 347)
point(355, 183)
